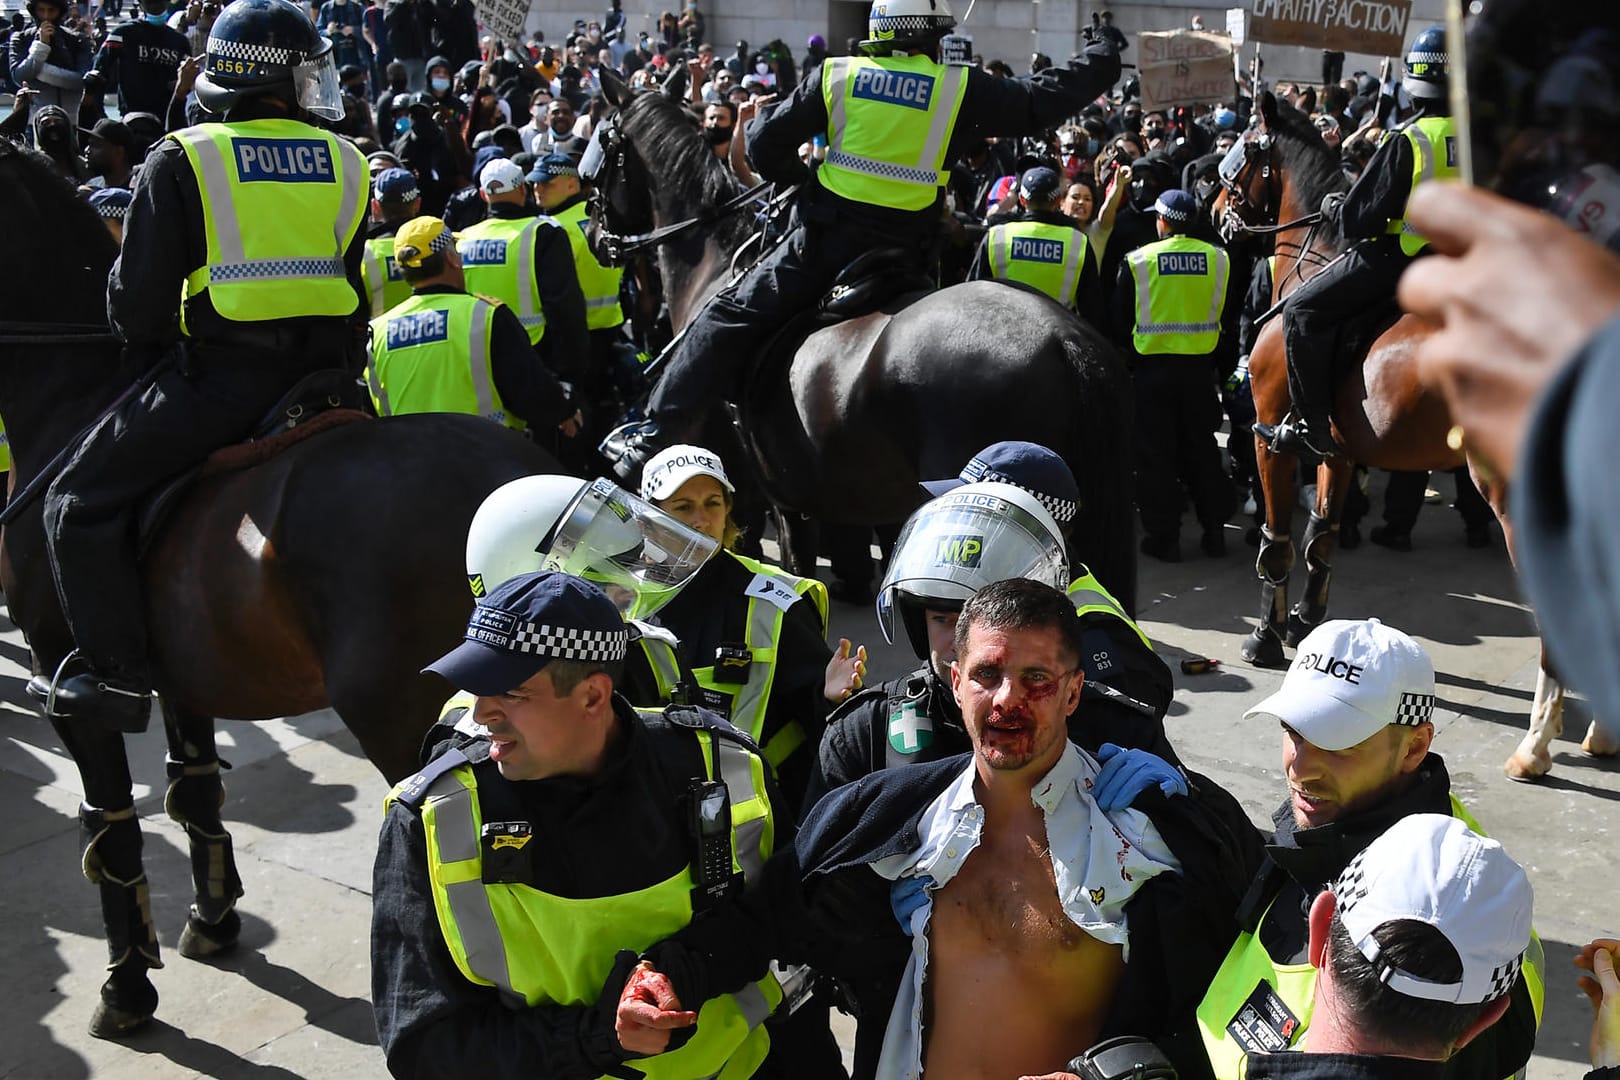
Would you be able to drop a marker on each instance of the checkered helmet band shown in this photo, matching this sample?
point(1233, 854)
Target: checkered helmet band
point(257, 54)
point(1063, 511)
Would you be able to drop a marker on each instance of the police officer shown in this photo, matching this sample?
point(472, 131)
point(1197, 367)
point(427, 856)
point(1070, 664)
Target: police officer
point(1373, 213)
point(893, 120)
point(1356, 714)
point(252, 222)
point(1175, 315)
point(523, 869)
point(1042, 248)
point(140, 59)
point(525, 262)
point(394, 201)
point(445, 350)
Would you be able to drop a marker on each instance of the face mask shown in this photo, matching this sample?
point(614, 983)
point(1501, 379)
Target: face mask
point(762, 68)
point(1142, 196)
point(716, 136)
point(402, 124)
point(159, 19)
point(440, 85)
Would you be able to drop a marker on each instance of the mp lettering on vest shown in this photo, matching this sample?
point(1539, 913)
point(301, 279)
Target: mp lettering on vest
point(294, 161)
point(1027, 249)
point(894, 87)
point(418, 328)
point(1183, 262)
point(482, 252)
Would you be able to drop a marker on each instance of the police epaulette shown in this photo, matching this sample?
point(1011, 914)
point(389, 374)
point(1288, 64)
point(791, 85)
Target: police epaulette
point(699, 719)
point(413, 790)
point(855, 700)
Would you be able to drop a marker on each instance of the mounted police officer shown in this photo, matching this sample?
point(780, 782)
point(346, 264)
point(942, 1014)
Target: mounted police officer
point(253, 222)
point(893, 120)
point(525, 867)
point(1374, 214)
point(1043, 248)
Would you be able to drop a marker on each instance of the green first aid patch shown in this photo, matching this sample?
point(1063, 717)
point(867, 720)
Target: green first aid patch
point(910, 732)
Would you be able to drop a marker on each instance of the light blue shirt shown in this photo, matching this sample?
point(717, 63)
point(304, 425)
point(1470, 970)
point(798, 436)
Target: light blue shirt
point(1098, 860)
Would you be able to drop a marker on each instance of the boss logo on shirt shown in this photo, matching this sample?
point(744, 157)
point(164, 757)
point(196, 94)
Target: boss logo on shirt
point(482, 252)
point(894, 87)
point(419, 328)
point(1183, 262)
point(285, 161)
point(1029, 249)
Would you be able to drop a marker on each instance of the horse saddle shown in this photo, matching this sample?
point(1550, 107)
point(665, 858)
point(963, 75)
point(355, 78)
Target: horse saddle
point(871, 279)
point(320, 400)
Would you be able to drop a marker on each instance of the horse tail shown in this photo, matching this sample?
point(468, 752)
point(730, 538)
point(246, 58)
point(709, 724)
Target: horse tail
point(1100, 453)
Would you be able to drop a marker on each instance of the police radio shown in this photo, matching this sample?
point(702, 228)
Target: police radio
point(713, 879)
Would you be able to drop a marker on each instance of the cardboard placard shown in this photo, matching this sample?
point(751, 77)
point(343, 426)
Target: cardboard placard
point(1184, 67)
point(956, 49)
point(1237, 24)
point(504, 18)
point(1365, 26)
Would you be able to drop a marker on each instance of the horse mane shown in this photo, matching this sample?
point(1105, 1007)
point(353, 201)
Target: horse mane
point(1311, 164)
point(41, 210)
point(668, 142)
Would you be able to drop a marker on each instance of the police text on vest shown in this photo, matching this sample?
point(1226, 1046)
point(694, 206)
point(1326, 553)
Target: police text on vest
point(287, 161)
point(894, 87)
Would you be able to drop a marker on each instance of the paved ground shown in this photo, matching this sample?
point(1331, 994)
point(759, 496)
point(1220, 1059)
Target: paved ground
point(304, 805)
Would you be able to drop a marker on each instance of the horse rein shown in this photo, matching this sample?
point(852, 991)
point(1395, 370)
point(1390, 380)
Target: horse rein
point(38, 333)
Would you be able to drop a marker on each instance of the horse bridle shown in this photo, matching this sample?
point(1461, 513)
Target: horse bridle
point(603, 161)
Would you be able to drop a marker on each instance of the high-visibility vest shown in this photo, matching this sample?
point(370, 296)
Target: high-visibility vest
point(1269, 1004)
point(889, 125)
point(1434, 157)
point(599, 283)
point(1047, 257)
point(535, 948)
point(1180, 295)
point(301, 193)
point(384, 280)
point(497, 257)
point(5, 449)
point(770, 594)
point(1090, 598)
point(431, 354)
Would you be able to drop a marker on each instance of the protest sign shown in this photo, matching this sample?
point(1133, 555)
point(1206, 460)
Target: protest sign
point(504, 18)
point(1184, 67)
point(1377, 27)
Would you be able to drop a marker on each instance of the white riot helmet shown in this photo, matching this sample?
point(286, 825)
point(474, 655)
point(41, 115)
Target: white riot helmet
point(639, 555)
point(906, 24)
point(955, 545)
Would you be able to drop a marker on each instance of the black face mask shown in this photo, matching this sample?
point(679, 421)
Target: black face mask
point(716, 136)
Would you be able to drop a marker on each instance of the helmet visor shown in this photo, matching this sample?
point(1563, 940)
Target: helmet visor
point(959, 543)
point(639, 555)
point(316, 81)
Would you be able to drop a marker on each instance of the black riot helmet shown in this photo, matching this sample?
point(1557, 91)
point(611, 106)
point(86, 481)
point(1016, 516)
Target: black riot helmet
point(1427, 66)
point(269, 48)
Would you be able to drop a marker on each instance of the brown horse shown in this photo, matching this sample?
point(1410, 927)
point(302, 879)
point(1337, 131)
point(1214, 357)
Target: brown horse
point(1383, 415)
point(325, 576)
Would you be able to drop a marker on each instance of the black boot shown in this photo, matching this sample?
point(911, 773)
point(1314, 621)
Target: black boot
point(629, 447)
point(1302, 436)
point(116, 702)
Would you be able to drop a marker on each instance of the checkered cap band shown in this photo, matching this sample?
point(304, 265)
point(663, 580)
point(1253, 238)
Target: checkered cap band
point(885, 24)
point(1062, 510)
point(1351, 888)
point(258, 54)
point(1503, 976)
point(1414, 709)
point(565, 643)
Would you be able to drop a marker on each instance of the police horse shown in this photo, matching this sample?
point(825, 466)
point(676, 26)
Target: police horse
point(326, 575)
point(842, 417)
point(1383, 415)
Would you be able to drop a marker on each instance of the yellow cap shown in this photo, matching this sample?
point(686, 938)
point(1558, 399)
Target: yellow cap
point(420, 237)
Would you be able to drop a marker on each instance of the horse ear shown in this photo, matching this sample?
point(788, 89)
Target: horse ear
point(675, 86)
point(1268, 110)
point(613, 88)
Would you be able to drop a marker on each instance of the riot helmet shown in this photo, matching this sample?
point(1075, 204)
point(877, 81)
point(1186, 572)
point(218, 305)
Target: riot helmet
point(958, 543)
point(639, 555)
point(1427, 67)
point(269, 48)
point(906, 25)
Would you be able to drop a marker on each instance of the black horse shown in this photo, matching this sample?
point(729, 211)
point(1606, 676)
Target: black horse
point(327, 575)
point(841, 430)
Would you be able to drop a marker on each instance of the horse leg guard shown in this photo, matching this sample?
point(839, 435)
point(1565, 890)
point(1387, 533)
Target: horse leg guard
point(1264, 647)
point(1320, 535)
point(193, 799)
point(111, 860)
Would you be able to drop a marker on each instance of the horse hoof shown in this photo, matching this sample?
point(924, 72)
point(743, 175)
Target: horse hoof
point(1600, 743)
point(1527, 768)
point(202, 939)
point(1263, 648)
point(124, 1008)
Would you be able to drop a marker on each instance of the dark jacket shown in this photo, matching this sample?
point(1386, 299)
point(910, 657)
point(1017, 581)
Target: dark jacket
point(140, 59)
point(424, 151)
point(822, 903)
point(56, 72)
point(409, 24)
point(1297, 1066)
point(990, 106)
point(1088, 298)
point(455, 31)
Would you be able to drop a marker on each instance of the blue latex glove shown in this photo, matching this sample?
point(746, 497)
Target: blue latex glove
point(1127, 773)
point(906, 895)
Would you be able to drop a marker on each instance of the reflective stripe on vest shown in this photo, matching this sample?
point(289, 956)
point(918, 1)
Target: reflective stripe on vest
point(599, 283)
point(1434, 156)
point(535, 949)
point(511, 279)
point(1227, 1004)
point(1088, 596)
point(745, 705)
point(889, 126)
point(1180, 294)
point(1047, 257)
point(385, 282)
point(660, 647)
point(303, 190)
point(438, 361)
